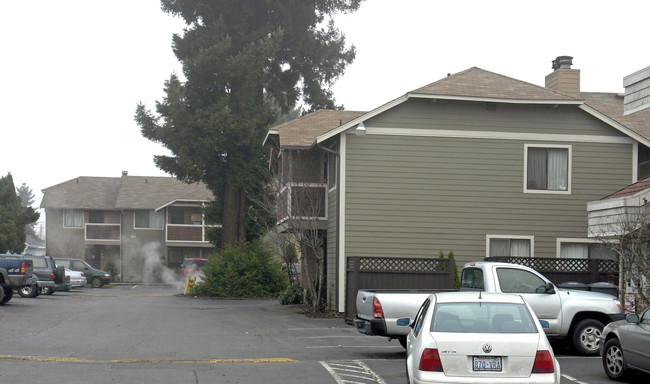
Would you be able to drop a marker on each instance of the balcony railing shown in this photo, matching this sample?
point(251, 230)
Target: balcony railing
point(302, 201)
point(194, 233)
point(102, 232)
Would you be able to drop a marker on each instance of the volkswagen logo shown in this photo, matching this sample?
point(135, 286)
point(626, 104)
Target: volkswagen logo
point(487, 348)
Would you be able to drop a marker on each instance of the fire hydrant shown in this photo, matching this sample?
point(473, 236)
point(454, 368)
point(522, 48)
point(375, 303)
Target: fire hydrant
point(189, 284)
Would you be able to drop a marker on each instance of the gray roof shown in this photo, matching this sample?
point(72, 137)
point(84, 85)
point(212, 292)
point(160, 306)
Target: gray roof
point(126, 192)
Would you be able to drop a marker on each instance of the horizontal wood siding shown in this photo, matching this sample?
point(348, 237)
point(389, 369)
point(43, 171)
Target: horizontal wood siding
point(417, 196)
point(508, 118)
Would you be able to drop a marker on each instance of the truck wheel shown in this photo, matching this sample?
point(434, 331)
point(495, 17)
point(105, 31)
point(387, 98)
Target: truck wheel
point(28, 291)
point(402, 341)
point(97, 282)
point(8, 294)
point(59, 276)
point(47, 290)
point(586, 336)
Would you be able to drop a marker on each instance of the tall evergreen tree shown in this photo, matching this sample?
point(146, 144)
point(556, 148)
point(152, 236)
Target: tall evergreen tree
point(13, 217)
point(237, 55)
point(26, 200)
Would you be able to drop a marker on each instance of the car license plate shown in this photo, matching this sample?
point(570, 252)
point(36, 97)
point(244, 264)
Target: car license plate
point(487, 363)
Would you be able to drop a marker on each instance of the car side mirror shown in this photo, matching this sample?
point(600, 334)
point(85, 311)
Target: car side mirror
point(550, 288)
point(403, 322)
point(545, 324)
point(632, 318)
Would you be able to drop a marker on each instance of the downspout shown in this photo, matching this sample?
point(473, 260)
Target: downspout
point(121, 242)
point(338, 220)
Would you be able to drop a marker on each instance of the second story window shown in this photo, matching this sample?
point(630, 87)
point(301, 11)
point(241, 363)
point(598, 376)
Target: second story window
point(548, 168)
point(148, 219)
point(96, 217)
point(73, 218)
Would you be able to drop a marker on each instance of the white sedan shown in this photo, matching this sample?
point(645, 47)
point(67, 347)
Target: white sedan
point(77, 279)
point(477, 337)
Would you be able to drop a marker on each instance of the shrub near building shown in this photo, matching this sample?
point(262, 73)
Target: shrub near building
point(244, 270)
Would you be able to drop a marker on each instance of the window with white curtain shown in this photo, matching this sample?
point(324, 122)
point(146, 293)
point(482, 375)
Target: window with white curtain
point(584, 250)
point(148, 219)
point(515, 247)
point(73, 218)
point(548, 168)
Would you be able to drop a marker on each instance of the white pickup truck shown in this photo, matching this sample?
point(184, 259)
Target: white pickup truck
point(578, 316)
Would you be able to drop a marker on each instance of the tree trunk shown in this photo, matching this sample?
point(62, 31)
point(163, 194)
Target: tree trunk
point(234, 202)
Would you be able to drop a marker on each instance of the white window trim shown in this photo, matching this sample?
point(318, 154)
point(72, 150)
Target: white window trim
point(83, 219)
point(560, 240)
point(331, 174)
point(147, 228)
point(515, 237)
point(569, 170)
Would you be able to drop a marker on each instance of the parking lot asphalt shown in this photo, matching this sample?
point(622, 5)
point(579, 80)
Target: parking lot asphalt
point(154, 334)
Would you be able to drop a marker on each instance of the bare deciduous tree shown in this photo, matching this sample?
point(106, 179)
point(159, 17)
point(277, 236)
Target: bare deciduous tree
point(626, 231)
point(296, 196)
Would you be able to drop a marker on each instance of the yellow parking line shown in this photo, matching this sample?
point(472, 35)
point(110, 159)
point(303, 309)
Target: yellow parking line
point(147, 361)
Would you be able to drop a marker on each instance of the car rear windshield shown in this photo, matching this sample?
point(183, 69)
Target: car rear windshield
point(482, 318)
point(191, 264)
point(38, 262)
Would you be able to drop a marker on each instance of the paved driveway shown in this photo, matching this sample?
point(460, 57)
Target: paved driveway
point(150, 334)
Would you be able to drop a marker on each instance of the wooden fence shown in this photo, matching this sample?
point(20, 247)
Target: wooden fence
point(394, 273)
point(560, 270)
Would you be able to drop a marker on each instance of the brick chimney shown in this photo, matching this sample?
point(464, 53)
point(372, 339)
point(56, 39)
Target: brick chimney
point(637, 91)
point(563, 78)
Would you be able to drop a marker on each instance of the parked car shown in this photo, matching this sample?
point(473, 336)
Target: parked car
point(625, 346)
point(77, 278)
point(15, 273)
point(193, 266)
point(46, 272)
point(96, 277)
point(478, 337)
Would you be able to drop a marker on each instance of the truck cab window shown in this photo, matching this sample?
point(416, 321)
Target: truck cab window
point(519, 281)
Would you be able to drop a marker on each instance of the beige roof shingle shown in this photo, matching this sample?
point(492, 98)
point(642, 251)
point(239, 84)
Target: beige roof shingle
point(301, 132)
point(479, 83)
point(126, 192)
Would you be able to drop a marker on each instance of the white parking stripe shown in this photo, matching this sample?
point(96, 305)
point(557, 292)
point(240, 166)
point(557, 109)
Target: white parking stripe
point(570, 378)
point(341, 371)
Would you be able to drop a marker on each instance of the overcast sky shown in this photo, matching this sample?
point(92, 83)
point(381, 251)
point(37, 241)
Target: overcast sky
point(74, 70)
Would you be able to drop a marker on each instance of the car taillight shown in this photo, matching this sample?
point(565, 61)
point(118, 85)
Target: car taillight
point(430, 361)
point(543, 363)
point(23, 268)
point(377, 310)
point(52, 276)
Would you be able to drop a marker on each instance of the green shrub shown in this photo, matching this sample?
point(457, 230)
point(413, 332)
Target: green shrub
point(292, 295)
point(244, 270)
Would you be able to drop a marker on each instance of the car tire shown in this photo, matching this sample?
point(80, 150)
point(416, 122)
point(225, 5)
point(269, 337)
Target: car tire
point(7, 293)
point(97, 282)
point(3, 294)
point(47, 290)
point(402, 341)
point(28, 291)
point(586, 337)
point(613, 360)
